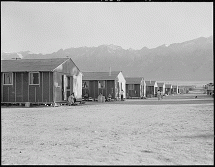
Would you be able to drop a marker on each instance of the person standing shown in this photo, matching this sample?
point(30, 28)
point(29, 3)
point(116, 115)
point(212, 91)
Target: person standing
point(122, 92)
point(159, 95)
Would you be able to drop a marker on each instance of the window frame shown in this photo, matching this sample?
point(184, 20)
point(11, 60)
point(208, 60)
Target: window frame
point(100, 84)
point(30, 78)
point(11, 78)
point(87, 83)
point(130, 85)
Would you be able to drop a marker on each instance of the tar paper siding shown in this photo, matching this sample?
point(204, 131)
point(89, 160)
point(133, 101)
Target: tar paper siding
point(112, 87)
point(139, 90)
point(174, 90)
point(168, 90)
point(93, 90)
point(150, 90)
point(134, 92)
point(2, 87)
point(162, 89)
point(21, 91)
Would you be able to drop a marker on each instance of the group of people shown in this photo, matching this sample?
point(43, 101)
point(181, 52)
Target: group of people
point(72, 99)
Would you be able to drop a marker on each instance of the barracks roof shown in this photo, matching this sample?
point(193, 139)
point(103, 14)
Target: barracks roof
point(31, 64)
point(160, 84)
point(133, 80)
point(168, 86)
point(100, 75)
point(174, 86)
point(150, 83)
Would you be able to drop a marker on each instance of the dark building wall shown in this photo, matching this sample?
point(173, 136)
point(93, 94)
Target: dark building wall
point(90, 90)
point(135, 92)
point(168, 91)
point(19, 87)
point(110, 89)
point(33, 93)
point(149, 90)
point(161, 89)
point(102, 91)
point(2, 87)
point(44, 91)
point(47, 87)
point(94, 91)
point(25, 86)
point(8, 91)
point(21, 91)
point(174, 90)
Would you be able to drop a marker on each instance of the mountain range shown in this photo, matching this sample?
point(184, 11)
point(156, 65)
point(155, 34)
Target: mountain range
point(187, 61)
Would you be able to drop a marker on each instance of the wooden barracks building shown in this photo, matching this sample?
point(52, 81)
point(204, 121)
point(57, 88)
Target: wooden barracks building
point(39, 80)
point(105, 83)
point(135, 87)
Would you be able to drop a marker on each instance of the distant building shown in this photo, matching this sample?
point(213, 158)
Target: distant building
point(175, 89)
point(151, 88)
point(105, 83)
point(183, 89)
point(161, 87)
point(168, 89)
point(210, 88)
point(135, 87)
point(40, 80)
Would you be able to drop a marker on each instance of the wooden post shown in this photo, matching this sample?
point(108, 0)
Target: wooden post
point(15, 86)
point(28, 85)
point(22, 86)
point(49, 87)
point(106, 89)
point(42, 86)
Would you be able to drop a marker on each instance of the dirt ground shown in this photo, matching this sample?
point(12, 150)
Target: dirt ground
point(167, 132)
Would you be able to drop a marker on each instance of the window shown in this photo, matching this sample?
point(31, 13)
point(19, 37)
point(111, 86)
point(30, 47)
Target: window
point(131, 87)
point(85, 84)
point(34, 78)
point(8, 78)
point(101, 84)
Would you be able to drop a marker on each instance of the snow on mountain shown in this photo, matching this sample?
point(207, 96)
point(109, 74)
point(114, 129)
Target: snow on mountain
point(189, 60)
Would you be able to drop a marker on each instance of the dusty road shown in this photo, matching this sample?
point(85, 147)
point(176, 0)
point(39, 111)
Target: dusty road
point(128, 132)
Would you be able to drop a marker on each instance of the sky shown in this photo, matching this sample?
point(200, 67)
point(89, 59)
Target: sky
point(46, 27)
